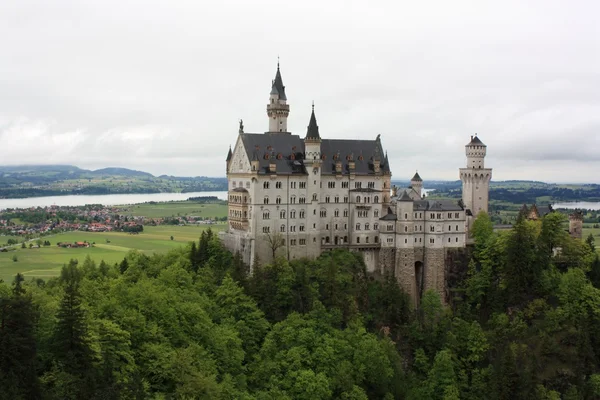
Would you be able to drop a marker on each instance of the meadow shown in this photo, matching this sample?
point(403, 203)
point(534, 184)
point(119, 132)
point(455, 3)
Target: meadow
point(177, 209)
point(46, 262)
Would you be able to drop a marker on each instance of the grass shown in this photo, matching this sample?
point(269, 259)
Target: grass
point(46, 262)
point(177, 208)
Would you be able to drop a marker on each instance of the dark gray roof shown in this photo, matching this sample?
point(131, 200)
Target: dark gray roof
point(544, 210)
point(278, 87)
point(390, 216)
point(436, 205)
point(313, 129)
point(417, 178)
point(405, 197)
point(229, 154)
point(288, 152)
point(475, 141)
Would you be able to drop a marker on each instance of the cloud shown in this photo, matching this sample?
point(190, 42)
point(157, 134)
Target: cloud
point(160, 86)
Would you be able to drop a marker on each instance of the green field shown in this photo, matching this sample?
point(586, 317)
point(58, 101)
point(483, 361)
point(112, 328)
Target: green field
point(46, 262)
point(177, 209)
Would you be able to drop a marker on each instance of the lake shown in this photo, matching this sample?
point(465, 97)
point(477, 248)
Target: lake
point(104, 199)
point(582, 205)
point(108, 199)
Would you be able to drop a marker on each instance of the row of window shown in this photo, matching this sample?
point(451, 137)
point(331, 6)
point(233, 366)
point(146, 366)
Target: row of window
point(238, 214)
point(302, 185)
point(323, 214)
point(336, 199)
point(431, 240)
point(419, 228)
point(419, 215)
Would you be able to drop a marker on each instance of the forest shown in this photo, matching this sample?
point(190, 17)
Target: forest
point(521, 323)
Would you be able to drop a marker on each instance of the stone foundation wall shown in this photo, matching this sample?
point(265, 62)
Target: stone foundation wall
point(435, 267)
point(371, 258)
point(405, 272)
point(235, 243)
point(387, 261)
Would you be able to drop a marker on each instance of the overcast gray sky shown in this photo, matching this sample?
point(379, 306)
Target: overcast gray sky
point(160, 85)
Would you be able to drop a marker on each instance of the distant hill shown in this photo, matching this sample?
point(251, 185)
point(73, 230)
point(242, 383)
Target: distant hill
point(52, 180)
point(121, 172)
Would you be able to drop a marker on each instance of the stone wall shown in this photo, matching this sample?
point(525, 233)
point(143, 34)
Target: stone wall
point(235, 243)
point(387, 260)
point(371, 258)
point(435, 267)
point(405, 272)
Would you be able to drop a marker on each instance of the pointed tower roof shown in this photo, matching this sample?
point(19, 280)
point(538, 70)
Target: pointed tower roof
point(229, 154)
point(417, 178)
point(278, 87)
point(475, 141)
point(313, 129)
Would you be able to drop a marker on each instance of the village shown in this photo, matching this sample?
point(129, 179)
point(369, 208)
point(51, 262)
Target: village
point(40, 221)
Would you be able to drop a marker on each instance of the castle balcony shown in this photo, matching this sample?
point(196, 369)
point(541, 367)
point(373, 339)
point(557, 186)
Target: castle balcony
point(238, 225)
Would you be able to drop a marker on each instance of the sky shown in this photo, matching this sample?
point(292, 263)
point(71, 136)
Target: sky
point(160, 86)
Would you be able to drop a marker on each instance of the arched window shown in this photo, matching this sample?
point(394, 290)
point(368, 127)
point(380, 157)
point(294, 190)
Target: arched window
point(375, 226)
point(266, 200)
point(278, 200)
point(358, 199)
point(282, 228)
point(376, 213)
point(376, 199)
point(366, 227)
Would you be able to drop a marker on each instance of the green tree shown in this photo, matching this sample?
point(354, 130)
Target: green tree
point(591, 242)
point(18, 361)
point(74, 374)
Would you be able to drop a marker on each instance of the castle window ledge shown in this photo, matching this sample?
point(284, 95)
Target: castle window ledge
point(363, 206)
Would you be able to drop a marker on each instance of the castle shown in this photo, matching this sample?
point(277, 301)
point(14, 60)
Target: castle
point(297, 197)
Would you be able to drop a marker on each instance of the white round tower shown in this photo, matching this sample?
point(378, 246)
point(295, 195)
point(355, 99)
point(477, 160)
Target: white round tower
point(475, 178)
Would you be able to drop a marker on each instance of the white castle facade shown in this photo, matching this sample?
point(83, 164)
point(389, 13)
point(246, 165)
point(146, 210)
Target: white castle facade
point(294, 197)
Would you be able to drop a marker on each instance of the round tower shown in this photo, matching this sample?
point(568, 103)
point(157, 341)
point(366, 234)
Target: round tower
point(576, 224)
point(278, 109)
point(475, 179)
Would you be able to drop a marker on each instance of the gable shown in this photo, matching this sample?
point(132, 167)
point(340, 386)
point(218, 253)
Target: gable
point(239, 160)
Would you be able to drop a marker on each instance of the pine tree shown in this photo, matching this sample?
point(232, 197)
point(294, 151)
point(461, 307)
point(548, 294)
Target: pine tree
point(202, 254)
point(71, 348)
point(123, 266)
point(194, 257)
point(594, 273)
point(18, 378)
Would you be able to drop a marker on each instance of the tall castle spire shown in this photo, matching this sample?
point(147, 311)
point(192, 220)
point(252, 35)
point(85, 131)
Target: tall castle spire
point(312, 133)
point(278, 109)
